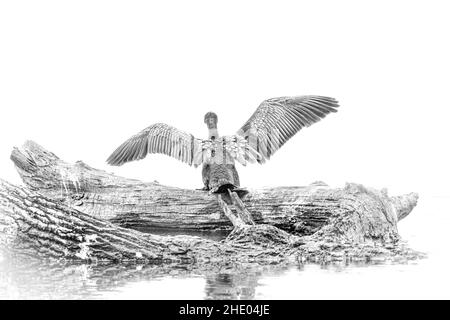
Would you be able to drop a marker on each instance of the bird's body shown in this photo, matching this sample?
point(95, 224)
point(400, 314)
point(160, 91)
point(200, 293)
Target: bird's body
point(274, 122)
point(216, 177)
point(218, 173)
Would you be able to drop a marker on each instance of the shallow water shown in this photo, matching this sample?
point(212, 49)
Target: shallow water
point(426, 278)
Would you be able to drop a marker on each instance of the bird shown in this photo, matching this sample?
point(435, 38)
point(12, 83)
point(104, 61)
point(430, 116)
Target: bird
point(273, 123)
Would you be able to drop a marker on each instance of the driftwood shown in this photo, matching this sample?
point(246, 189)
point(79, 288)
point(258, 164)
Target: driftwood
point(77, 212)
point(132, 203)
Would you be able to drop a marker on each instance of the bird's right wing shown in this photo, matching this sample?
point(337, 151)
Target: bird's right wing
point(277, 120)
point(158, 138)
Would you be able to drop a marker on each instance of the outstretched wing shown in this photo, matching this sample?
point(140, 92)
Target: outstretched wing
point(276, 120)
point(158, 138)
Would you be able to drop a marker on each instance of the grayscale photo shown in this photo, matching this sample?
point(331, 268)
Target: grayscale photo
point(240, 151)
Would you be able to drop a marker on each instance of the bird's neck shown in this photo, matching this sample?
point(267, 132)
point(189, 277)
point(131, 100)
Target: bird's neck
point(212, 132)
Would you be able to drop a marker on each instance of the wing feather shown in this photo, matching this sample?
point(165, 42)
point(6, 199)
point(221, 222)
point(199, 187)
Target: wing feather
point(158, 138)
point(277, 120)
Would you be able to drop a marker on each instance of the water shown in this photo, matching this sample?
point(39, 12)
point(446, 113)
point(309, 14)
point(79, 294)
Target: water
point(425, 230)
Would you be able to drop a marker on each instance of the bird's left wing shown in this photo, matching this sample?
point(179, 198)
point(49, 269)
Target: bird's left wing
point(157, 138)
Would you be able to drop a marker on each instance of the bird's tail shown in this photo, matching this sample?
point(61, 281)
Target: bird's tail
point(223, 188)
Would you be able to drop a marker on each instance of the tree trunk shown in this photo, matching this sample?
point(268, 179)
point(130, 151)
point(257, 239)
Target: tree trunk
point(135, 204)
point(32, 225)
point(64, 213)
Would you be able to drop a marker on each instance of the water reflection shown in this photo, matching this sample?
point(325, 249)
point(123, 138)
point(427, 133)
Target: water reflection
point(23, 279)
point(238, 283)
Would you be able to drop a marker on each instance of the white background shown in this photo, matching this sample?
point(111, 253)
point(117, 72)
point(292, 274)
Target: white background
point(80, 77)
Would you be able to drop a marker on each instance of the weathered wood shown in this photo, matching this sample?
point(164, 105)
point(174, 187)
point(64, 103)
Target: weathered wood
point(35, 226)
point(64, 213)
point(242, 217)
point(40, 225)
point(135, 204)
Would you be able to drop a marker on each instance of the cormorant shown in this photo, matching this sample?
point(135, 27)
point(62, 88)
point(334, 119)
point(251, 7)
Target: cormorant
point(274, 122)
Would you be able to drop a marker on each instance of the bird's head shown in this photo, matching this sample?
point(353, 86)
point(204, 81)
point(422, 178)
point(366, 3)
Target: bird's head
point(211, 120)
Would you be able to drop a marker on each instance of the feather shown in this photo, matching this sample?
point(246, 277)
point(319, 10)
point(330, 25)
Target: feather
point(277, 120)
point(158, 138)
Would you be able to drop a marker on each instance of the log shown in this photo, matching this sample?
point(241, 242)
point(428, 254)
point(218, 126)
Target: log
point(37, 227)
point(76, 212)
point(134, 204)
point(32, 224)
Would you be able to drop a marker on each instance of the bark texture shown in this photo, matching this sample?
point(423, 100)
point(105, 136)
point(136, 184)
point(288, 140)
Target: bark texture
point(32, 224)
point(79, 213)
point(135, 204)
